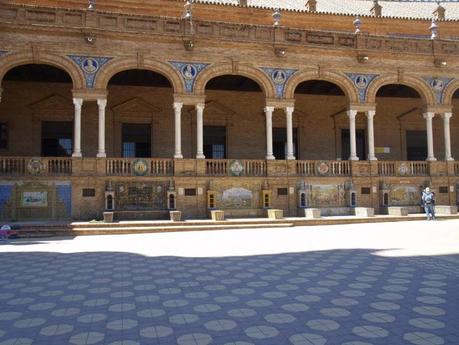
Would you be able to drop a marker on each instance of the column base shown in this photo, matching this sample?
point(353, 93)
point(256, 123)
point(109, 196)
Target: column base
point(431, 159)
point(200, 157)
point(178, 156)
point(353, 158)
point(291, 158)
point(101, 155)
point(449, 159)
point(372, 158)
point(270, 157)
point(77, 155)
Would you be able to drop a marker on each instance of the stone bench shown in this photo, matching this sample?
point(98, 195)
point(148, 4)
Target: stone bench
point(364, 211)
point(312, 212)
point(108, 217)
point(275, 214)
point(175, 216)
point(445, 209)
point(397, 211)
point(217, 215)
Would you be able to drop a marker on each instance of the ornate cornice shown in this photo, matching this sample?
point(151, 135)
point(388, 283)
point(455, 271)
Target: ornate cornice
point(99, 21)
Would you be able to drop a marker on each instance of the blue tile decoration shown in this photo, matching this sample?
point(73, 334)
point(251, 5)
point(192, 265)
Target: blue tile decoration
point(64, 193)
point(279, 77)
point(362, 82)
point(339, 297)
point(189, 71)
point(6, 191)
point(438, 86)
point(90, 65)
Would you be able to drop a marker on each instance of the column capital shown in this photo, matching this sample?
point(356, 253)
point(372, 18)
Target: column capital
point(290, 109)
point(200, 106)
point(447, 115)
point(102, 102)
point(178, 105)
point(282, 103)
point(189, 99)
point(370, 113)
point(428, 115)
point(269, 109)
point(351, 113)
point(78, 101)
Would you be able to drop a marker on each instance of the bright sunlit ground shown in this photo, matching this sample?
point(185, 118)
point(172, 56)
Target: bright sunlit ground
point(360, 284)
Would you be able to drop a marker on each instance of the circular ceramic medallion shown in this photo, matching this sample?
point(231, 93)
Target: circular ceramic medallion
point(279, 77)
point(35, 166)
point(188, 72)
point(236, 168)
point(140, 167)
point(90, 65)
point(323, 168)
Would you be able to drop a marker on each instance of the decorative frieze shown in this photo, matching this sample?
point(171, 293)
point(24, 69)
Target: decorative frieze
point(362, 82)
point(90, 66)
point(279, 77)
point(189, 71)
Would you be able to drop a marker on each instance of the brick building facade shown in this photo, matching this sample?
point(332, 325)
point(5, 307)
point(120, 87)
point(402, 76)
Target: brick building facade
point(140, 108)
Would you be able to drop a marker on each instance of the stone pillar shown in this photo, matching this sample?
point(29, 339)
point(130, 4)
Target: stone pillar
point(269, 132)
point(178, 129)
point(199, 131)
point(78, 102)
point(446, 118)
point(352, 114)
point(289, 114)
point(430, 148)
point(371, 135)
point(102, 103)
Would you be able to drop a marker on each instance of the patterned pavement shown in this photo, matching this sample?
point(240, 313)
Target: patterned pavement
point(337, 297)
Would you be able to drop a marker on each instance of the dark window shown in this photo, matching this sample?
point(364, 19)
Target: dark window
point(89, 192)
point(214, 142)
point(365, 190)
point(280, 142)
point(416, 145)
point(56, 139)
point(136, 140)
point(3, 135)
point(190, 191)
point(353, 199)
point(443, 189)
point(359, 142)
point(282, 191)
point(386, 199)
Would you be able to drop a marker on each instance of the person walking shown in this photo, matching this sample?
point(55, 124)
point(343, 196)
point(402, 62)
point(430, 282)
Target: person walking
point(428, 201)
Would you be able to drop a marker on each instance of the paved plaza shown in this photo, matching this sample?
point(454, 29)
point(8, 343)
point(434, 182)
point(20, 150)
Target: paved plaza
point(384, 283)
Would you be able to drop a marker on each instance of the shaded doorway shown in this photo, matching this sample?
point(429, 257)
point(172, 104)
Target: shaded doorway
point(215, 142)
point(56, 138)
point(136, 140)
point(416, 145)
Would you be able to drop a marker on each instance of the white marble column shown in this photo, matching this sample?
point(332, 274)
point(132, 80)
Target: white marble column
point(430, 146)
point(446, 117)
point(199, 131)
point(269, 132)
point(78, 102)
point(178, 129)
point(102, 103)
point(289, 115)
point(353, 154)
point(371, 135)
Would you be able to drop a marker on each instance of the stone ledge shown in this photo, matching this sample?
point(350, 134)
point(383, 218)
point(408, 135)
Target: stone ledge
point(445, 209)
point(364, 211)
point(275, 214)
point(397, 211)
point(312, 212)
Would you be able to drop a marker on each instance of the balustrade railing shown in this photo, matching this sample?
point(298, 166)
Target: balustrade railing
point(323, 168)
point(139, 167)
point(35, 166)
point(456, 168)
point(223, 167)
point(397, 168)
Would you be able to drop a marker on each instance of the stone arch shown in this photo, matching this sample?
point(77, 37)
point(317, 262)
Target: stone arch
point(123, 64)
point(451, 88)
point(10, 61)
point(339, 79)
point(419, 85)
point(229, 69)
